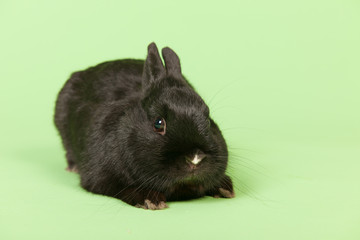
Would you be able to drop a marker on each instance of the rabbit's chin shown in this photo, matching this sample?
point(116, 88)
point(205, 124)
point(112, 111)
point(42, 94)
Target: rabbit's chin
point(193, 177)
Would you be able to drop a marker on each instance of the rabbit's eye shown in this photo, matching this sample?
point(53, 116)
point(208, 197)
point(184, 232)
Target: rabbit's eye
point(160, 125)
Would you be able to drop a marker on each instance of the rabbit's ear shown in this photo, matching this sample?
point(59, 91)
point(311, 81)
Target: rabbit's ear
point(153, 68)
point(172, 62)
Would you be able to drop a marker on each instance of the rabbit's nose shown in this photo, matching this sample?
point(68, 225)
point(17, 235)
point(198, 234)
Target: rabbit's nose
point(196, 158)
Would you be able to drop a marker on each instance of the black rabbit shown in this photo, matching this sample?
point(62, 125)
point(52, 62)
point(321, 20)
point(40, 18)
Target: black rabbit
point(138, 131)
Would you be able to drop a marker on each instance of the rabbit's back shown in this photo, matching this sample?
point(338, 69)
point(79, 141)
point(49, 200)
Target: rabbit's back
point(108, 81)
point(85, 91)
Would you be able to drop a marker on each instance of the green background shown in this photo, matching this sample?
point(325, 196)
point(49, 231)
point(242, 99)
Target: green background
point(281, 79)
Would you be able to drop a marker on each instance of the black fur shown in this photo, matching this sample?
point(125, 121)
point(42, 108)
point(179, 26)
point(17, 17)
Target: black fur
point(105, 116)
